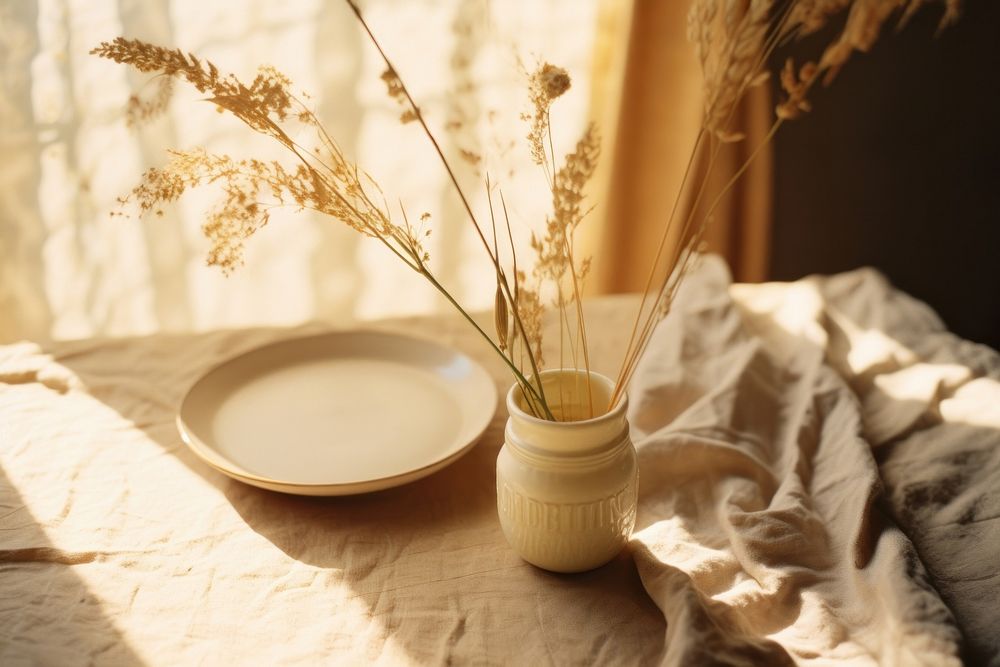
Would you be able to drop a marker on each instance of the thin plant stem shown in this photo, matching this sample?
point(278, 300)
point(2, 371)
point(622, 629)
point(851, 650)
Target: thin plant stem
point(581, 327)
point(715, 203)
point(659, 253)
point(562, 319)
point(632, 355)
point(521, 380)
point(513, 258)
point(651, 318)
point(510, 238)
point(552, 150)
point(454, 180)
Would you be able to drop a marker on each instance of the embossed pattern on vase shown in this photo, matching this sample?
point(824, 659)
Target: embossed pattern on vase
point(566, 491)
point(566, 536)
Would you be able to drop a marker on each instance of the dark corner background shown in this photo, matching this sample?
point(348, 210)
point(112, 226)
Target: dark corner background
point(898, 167)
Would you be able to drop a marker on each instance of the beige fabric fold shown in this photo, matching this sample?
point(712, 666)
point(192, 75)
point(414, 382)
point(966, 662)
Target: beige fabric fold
point(818, 470)
point(758, 533)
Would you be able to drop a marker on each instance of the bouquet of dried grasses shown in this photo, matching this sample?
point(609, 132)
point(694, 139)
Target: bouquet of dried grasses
point(733, 40)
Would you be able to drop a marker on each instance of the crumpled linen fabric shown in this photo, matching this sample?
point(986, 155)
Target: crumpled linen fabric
point(765, 532)
point(818, 485)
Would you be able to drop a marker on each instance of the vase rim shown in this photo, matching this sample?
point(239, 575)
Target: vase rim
point(613, 413)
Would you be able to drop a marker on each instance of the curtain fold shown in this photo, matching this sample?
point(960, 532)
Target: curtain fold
point(657, 123)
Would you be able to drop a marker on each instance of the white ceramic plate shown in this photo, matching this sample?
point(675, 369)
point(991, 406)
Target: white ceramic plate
point(339, 413)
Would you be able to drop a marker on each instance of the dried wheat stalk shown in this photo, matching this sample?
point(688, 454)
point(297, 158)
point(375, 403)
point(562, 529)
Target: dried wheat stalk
point(733, 40)
point(323, 179)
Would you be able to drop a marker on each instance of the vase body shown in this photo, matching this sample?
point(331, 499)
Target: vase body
point(566, 490)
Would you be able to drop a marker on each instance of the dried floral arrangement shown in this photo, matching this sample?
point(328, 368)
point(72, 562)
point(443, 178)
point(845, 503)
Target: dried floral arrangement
point(734, 40)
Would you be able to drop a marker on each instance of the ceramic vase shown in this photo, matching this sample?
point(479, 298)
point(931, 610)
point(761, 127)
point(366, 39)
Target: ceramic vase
point(566, 490)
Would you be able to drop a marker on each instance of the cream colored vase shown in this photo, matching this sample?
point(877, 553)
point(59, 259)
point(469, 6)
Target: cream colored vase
point(566, 491)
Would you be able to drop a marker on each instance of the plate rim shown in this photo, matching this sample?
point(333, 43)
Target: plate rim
point(214, 459)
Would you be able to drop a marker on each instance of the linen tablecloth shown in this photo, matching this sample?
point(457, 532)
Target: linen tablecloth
point(819, 464)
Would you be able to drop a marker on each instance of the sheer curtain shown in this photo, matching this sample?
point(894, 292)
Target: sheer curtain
point(68, 269)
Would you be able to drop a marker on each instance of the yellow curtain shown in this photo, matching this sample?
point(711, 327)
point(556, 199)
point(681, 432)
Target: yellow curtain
point(655, 110)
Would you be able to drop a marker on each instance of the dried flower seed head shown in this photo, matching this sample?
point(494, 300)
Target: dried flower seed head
point(733, 39)
point(545, 85)
point(730, 45)
point(323, 179)
point(554, 248)
point(554, 81)
point(796, 85)
point(555, 264)
point(865, 19)
point(258, 105)
point(530, 312)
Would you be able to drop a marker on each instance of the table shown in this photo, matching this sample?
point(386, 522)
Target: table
point(818, 482)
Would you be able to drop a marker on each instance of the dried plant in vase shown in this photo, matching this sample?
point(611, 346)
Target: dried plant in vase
point(733, 40)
